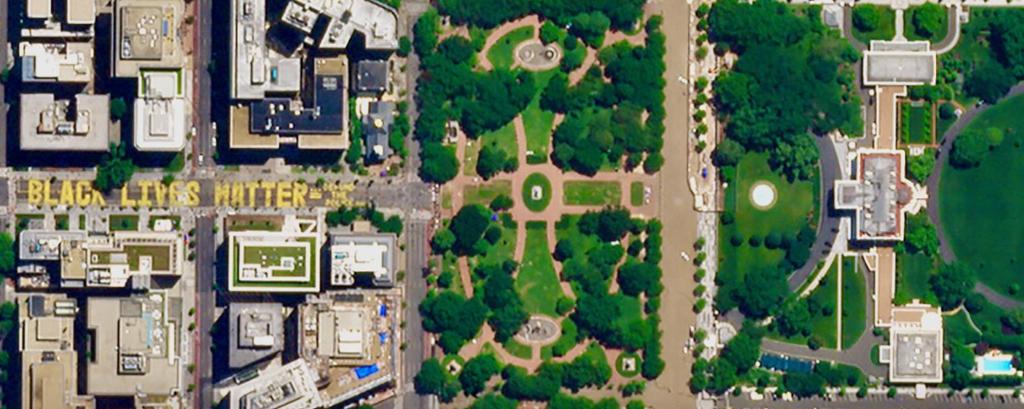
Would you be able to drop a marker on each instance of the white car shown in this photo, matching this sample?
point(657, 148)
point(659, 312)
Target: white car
point(684, 255)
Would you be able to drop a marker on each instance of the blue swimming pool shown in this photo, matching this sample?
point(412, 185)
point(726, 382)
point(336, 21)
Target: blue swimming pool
point(996, 364)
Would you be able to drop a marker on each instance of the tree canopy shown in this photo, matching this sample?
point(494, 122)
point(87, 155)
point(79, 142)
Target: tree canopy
point(454, 317)
point(953, 283)
point(928, 19)
point(468, 226)
point(7, 256)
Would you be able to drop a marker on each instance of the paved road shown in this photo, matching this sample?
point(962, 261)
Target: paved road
point(204, 24)
point(3, 63)
point(206, 302)
point(828, 220)
point(871, 402)
point(945, 146)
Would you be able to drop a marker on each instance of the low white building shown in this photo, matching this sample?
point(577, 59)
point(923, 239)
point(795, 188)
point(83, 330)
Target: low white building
point(159, 110)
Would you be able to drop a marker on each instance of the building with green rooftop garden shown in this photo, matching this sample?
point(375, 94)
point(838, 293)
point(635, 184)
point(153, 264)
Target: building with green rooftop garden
point(279, 260)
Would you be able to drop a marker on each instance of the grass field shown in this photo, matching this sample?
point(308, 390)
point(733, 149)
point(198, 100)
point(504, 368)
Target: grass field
point(592, 193)
point(504, 138)
point(631, 308)
point(537, 281)
point(536, 179)
point(913, 279)
point(61, 221)
point(980, 207)
point(503, 250)
point(124, 222)
point(160, 256)
point(915, 123)
point(886, 29)
point(794, 208)
point(483, 194)
point(500, 54)
point(854, 302)
point(911, 34)
point(957, 327)
point(517, 350)
point(822, 325)
point(538, 123)
point(636, 193)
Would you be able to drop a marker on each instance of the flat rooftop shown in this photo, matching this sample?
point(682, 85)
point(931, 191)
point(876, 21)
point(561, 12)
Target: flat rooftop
point(110, 261)
point(350, 337)
point(280, 260)
point(291, 386)
point(369, 254)
point(256, 332)
point(160, 112)
point(377, 22)
point(147, 36)
point(899, 63)
point(44, 245)
point(916, 352)
point(81, 124)
point(879, 194)
point(144, 330)
point(49, 364)
point(68, 62)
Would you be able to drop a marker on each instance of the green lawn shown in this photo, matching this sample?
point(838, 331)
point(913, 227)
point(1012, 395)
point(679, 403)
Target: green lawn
point(636, 193)
point(504, 138)
point(854, 302)
point(913, 279)
point(565, 342)
point(450, 262)
point(124, 222)
point(592, 193)
point(911, 33)
point(956, 327)
point(795, 207)
point(517, 349)
point(915, 123)
point(536, 179)
point(823, 323)
point(980, 207)
point(886, 29)
point(483, 194)
point(503, 250)
point(500, 54)
point(631, 307)
point(538, 123)
point(537, 281)
point(941, 125)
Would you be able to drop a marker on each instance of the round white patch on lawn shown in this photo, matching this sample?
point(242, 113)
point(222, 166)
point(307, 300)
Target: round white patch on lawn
point(762, 195)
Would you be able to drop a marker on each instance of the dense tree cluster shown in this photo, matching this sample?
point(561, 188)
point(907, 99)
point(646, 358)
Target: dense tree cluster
point(605, 120)
point(796, 315)
point(477, 371)
point(928, 19)
point(345, 216)
point(454, 317)
point(921, 236)
point(792, 77)
point(764, 289)
point(919, 167)
point(7, 256)
point(735, 361)
point(432, 379)
point(620, 14)
point(493, 160)
point(115, 170)
point(953, 283)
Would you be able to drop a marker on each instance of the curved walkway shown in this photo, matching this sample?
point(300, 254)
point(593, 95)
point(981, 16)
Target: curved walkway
point(945, 146)
point(828, 221)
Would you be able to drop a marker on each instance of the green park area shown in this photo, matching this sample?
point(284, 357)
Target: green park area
point(812, 320)
point(756, 240)
point(538, 123)
point(980, 67)
point(537, 282)
point(915, 122)
point(501, 53)
point(124, 222)
point(854, 303)
point(913, 278)
point(978, 203)
point(873, 22)
point(926, 22)
point(592, 193)
point(636, 193)
point(484, 193)
point(536, 192)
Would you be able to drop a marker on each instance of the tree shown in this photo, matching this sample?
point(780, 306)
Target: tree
point(653, 163)
point(1014, 320)
point(7, 257)
point(610, 224)
point(118, 108)
point(439, 163)
point(492, 160)
point(477, 372)
point(468, 226)
point(953, 283)
point(794, 319)
point(798, 159)
point(442, 241)
point(804, 385)
point(947, 110)
point(989, 82)
point(404, 46)
point(501, 202)
point(433, 380)
point(115, 170)
point(454, 317)
point(727, 153)
point(494, 401)
point(928, 19)
point(919, 167)
point(763, 292)
point(921, 235)
point(743, 350)
point(723, 376)
point(969, 149)
point(550, 33)
point(425, 32)
point(958, 369)
point(635, 278)
point(590, 27)
point(866, 17)
point(994, 136)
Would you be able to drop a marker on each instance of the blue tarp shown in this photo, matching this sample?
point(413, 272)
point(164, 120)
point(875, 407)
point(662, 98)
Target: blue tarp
point(383, 338)
point(785, 363)
point(364, 371)
point(383, 310)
